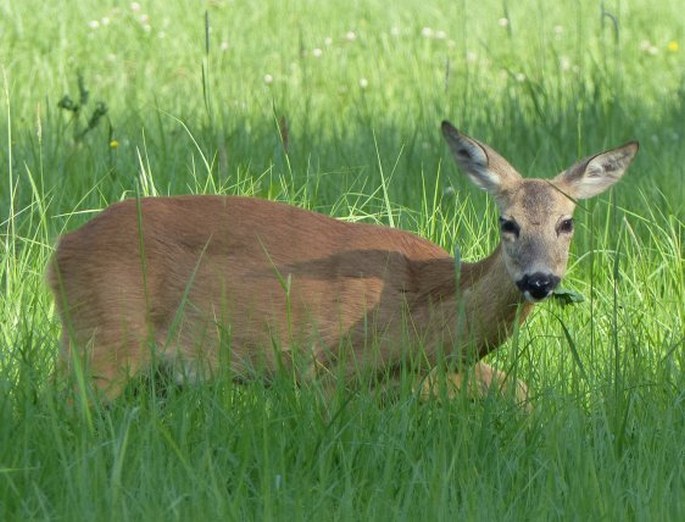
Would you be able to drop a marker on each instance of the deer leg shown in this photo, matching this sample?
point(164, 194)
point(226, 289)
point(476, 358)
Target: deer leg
point(112, 367)
point(104, 363)
point(480, 380)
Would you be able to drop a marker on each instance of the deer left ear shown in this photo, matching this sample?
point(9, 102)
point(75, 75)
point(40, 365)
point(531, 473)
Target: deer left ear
point(595, 174)
point(485, 168)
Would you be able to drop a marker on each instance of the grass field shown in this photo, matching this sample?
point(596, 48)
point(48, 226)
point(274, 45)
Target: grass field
point(336, 107)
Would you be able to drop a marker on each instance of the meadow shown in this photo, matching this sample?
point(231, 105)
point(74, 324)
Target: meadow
point(336, 107)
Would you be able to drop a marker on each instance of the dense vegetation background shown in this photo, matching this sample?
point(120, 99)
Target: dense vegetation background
point(336, 107)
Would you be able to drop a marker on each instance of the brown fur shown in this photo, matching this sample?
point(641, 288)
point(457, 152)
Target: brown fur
point(233, 256)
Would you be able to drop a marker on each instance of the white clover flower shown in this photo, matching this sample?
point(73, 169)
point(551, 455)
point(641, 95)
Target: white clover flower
point(268, 79)
point(395, 31)
point(427, 32)
point(644, 45)
point(328, 41)
point(564, 63)
point(350, 36)
point(93, 24)
point(558, 30)
point(224, 46)
point(105, 20)
point(363, 83)
point(503, 22)
point(471, 57)
point(520, 77)
point(135, 7)
point(316, 52)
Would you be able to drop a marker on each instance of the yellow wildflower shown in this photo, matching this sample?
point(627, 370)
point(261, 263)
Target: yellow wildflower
point(672, 46)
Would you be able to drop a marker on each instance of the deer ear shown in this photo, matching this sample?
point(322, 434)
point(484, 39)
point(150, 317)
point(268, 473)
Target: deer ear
point(595, 174)
point(484, 167)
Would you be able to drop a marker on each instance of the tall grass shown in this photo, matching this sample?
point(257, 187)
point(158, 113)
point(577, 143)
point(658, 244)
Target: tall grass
point(337, 108)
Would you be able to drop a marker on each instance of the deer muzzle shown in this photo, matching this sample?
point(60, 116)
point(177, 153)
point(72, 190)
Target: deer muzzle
point(537, 286)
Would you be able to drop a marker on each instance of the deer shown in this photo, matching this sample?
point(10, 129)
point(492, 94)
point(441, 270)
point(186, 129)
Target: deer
point(204, 282)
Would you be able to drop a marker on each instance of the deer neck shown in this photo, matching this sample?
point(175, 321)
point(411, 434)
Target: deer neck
point(492, 306)
point(478, 303)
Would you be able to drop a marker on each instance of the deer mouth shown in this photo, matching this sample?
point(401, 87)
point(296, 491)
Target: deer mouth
point(537, 286)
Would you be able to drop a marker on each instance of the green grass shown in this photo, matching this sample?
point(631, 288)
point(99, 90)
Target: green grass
point(604, 440)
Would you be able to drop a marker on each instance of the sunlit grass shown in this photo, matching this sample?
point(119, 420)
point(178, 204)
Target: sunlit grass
point(361, 90)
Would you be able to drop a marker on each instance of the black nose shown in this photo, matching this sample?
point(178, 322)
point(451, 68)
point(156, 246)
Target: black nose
point(538, 285)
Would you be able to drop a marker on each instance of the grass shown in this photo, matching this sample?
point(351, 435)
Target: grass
point(361, 88)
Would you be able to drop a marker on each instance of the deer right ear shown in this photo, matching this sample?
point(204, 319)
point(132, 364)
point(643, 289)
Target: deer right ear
point(595, 174)
point(484, 167)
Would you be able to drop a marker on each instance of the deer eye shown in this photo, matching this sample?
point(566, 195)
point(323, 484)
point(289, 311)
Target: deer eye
point(565, 227)
point(509, 226)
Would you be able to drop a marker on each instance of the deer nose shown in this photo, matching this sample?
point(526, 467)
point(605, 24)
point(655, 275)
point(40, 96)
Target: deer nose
point(537, 286)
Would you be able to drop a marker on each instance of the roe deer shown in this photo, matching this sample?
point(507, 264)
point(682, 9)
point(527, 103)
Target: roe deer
point(181, 278)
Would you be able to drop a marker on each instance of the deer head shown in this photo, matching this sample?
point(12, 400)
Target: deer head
point(536, 215)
